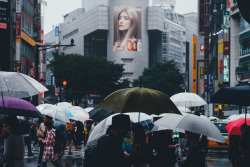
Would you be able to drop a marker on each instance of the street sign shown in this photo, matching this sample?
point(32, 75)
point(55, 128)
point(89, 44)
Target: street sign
point(48, 79)
point(57, 31)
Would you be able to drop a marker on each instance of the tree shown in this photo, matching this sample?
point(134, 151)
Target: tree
point(88, 73)
point(164, 77)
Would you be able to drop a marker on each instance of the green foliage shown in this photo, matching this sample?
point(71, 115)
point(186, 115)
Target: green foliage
point(164, 77)
point(88, 73)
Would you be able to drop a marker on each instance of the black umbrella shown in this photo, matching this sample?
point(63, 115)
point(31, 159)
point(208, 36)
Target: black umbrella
point(100, 114)
point(239, 95)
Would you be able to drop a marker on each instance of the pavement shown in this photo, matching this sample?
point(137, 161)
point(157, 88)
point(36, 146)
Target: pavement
point(215, 158)
point(74, 160)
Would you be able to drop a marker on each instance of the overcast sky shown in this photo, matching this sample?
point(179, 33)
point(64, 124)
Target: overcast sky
point(56, 9)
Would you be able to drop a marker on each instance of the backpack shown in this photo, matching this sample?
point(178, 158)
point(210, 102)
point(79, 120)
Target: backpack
point(59, 140)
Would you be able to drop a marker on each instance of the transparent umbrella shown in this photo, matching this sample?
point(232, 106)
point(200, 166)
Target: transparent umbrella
point(13, 84)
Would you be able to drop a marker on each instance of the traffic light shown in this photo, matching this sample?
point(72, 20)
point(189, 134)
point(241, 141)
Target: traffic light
point(64, 83)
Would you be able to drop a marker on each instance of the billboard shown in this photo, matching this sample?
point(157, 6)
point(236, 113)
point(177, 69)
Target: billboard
point(220, 57)
point(201, 16)
point(164, 2)
point(194, 64)
point(127, 28)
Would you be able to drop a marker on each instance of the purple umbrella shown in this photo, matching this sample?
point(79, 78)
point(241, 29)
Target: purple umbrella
point(15, 106)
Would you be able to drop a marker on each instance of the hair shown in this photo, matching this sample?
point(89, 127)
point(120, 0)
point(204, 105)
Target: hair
point(138, 130)
point(13, 123)
point(49, 125)
point(133, 29)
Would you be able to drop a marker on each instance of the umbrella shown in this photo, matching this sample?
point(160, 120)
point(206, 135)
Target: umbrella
point(55, 112)
point(135, 115)
point(235, 117)
point(144, 100)
point(88, 109)
point(184, 109)
point(239, 95)
point(202, 126)
point(187, 100)
point(64, 104)
point(80, 111)
point(20, 107)
point(169, 121)
point(211, 118)
point(233, 127)
point(18, 85)
point(100, 114)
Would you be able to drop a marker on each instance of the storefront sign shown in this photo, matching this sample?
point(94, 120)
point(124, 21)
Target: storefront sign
point(226, 68)
point(18, 6)
point(18, 26)
point(245, 51)
point(226, 19)
point(201, 16)
point(194, 64)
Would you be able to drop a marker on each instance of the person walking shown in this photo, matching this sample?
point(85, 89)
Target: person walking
point(14, 144)
point(140, 155)
point(48, 143)
point(70, 136)
point(108, 149)
point(195, 155)
point(26, 124)
point(41, 133)
point(79, 134)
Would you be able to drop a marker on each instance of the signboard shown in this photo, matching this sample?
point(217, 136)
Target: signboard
point(57, 31)
point(127, 28)
point(194, 64)
point(201, 16)
point(226, 68)
point(226, 19)
point(56, 91)
point(202, 50)
point(48, 79)
point(18, 6)
point(4, 14)
point(164, 2)
point(220, 57)
point(18, 26)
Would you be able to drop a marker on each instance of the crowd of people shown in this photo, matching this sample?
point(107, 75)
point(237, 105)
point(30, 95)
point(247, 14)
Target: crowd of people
point(124, 145)
point(51, 137)
point(129, 145)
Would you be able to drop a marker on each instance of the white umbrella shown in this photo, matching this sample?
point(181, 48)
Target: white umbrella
point(235, 117)
point(184, 109)
point(187, 100)
point(64, 104)
point(88, 109)
point(101, 128)
point(81, 112)
point(54, 112)
point(14, 84)
point(211, 118)
point(202, 126)
point(169, 121)
point(135, 115)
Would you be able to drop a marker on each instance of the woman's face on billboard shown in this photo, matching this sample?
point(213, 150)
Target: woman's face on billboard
point(124, 21)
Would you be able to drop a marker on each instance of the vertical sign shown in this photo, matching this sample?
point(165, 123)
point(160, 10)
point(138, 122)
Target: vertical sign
point(18, 6)
point(18, 26)
point(201, 16)
point(194, 63)
point(226, 19)
point(220, 57)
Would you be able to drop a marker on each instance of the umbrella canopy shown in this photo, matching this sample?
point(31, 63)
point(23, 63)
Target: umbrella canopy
point(235, 117)
point(135, 115)
point(239, 95)
point(186, 99)
point(202, 126)
point(20, 107)
point(184, 109)
point(100, 114)
point(88, 109)
point(144, 100)
point(233, 127)
point(18, 85)
point(55, 112)
point(80, 111)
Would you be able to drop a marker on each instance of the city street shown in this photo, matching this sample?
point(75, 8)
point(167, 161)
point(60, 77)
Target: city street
point(215, 158)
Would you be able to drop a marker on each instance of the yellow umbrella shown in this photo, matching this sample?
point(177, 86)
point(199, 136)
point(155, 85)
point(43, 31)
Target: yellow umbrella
point(139, 100)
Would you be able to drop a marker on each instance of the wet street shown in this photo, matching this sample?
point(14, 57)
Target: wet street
point(215, 158)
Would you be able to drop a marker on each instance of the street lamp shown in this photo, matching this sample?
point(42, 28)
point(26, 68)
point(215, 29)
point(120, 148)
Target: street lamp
point(239, 74)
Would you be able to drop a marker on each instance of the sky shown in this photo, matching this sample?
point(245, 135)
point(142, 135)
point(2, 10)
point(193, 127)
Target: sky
point(56, 9)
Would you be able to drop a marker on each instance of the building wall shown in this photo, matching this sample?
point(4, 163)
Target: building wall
point(91, 4)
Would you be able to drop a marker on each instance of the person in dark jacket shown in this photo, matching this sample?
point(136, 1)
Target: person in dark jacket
point(109, 150)
point(233, 151)
point(79, 134)
point(195, 155)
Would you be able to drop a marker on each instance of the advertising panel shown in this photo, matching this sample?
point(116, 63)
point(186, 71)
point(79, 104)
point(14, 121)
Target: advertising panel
point(18, 6)
point(226, 19)
point(194, 63)
point(18, 26)
point(164, 2)
point(220, 57)
point(201, 16)
point(226, 68)
point(127, 28)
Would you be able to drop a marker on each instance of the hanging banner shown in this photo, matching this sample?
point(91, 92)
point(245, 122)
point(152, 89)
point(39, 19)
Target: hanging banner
point(194, 64)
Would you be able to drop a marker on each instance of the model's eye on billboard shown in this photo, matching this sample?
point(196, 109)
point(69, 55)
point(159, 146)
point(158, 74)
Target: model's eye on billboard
point(127, 28)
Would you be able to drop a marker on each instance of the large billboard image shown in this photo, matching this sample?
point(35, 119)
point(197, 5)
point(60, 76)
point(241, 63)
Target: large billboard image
point(127, 28)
